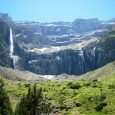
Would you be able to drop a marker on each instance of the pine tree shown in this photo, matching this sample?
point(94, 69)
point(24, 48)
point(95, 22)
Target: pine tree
point(33, 103)
point(5, 105)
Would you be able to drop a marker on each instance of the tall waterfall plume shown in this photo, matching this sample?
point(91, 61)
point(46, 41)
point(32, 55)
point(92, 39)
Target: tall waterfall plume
point(11, 44)
point(13, 57)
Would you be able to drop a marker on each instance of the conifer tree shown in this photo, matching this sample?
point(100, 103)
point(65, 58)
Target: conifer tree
point(33, 103)
point(5, 105)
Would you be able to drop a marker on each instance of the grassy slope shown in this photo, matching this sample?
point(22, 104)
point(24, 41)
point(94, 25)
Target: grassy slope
point(63, 98)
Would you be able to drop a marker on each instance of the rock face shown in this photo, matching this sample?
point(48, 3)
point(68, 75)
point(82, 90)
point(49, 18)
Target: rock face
point(57, 29)
point(43, 51)
point(106, 48)
point(5, 17)
point(4, 45)
point(55, 48)
point(66, 61)
point(86, 25)
point(71, 61)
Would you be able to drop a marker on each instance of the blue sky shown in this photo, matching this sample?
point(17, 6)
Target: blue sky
point(58, 10)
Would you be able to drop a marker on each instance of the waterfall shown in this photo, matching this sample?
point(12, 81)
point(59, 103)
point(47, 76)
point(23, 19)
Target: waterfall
point(94, 49)
point(13, 57)
point(11, 44)
point(94, 52)
point(81, 54)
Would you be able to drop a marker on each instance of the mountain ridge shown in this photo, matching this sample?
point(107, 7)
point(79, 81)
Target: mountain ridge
point(55, 48)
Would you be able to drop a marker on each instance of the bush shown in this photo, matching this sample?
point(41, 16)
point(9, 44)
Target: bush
point(74, 85)
point(27, 85)
point(112, 86)
point(99, 108)
point(78, 104)
point(103, 104)
point(100, 97)
point(95, 80)
point(87, 84)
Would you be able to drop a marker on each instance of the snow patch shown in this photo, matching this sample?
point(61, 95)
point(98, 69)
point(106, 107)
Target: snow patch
point(48, 76)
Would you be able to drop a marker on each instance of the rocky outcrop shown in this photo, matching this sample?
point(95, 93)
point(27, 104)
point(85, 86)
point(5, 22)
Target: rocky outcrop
point(6, 18)
point(31, 39)
point(57, 33)
point(68, 61)
point(71, 61)
point(57, 29)
point(85, 25)
point(106, 48)
point(29, 34)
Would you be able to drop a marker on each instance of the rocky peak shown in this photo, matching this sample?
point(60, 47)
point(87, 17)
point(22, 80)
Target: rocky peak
point(86, 25)
point(6, 18)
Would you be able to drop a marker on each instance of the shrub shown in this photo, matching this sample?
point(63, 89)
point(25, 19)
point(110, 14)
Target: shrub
point(78, 104)
point(95, 80)
point(74, 85)
point(99, 97)
point(87, 84)
point(103, 104)
point(98, 107)
point(27, 85)
point(62, 99)
point(112, 86)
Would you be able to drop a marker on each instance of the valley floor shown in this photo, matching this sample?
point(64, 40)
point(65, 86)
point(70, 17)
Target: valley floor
point(91, 94)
